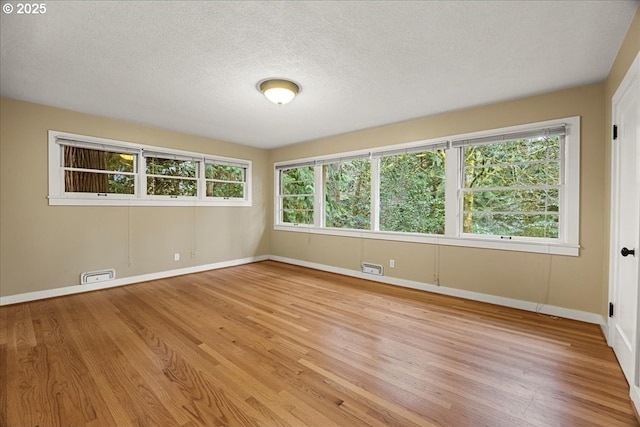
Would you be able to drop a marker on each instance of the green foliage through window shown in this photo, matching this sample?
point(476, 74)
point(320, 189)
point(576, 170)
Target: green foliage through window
point(512, 188)
point(297, 195)
point(171, 177)
point(348, 194)
point(225, 181)
point(522, 183)
point(412, 192)
point(98, 171)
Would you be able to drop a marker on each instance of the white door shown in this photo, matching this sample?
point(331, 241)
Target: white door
point(625, 224)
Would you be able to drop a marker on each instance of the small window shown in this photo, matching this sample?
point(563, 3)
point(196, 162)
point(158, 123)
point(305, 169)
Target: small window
point(347, 186)
point(98, 171)
point(297, 187)
point(412, 191)
point(224, 180)
point(85, 170)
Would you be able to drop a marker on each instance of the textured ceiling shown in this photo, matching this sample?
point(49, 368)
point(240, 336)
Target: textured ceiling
point(193, 66)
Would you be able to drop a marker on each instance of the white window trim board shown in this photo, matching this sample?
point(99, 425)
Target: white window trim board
point(542, 247)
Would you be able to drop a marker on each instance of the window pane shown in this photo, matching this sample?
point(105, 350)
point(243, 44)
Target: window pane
point(512, 201)
point(297, 190)
point(534, 161)
point(223, 172)
point(412, 192)
point(298, 181)
point(86, 158)
point(225, 189)
point(297, 202)
point(506, 175)
point(171, 167)
point(94, 182)
point(171, 186)
point(348, 194)
point(515, 207)
point(297, 217)
point(534, 225)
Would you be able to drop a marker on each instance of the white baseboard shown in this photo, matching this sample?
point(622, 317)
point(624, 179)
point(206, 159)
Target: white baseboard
point(551, 310)
point(605, 331)
point(475, 296)
point(76, 289)
point(635, 397)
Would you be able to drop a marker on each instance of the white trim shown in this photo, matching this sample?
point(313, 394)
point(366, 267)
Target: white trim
point(452, 205)
point(568, 313)
point(605, 331)
point(634, 393)
point(632, 76)
point(542, 247)
point(614, 244)
point(76, 289)
point(374, 212)
point(156, 201)
point(351, 155)
point(551, 310)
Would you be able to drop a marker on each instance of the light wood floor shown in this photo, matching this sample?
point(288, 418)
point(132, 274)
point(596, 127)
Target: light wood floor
point(269, 344)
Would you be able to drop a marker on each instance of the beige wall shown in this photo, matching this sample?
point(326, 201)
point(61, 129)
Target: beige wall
point(570, 282)
point(44, 247)
point(628, 51)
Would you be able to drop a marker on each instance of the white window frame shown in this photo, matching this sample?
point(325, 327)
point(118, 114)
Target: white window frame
point(373, 209)
point(567, 242)
point(147, 153)
point(281, 197)
point(226, 162)
point(57, 195)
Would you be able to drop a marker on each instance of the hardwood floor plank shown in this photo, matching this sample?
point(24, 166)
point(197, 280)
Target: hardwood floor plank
point(4, 383)
point(90, 335)
point(271, 344)
point(184, 367)
point(400, 410)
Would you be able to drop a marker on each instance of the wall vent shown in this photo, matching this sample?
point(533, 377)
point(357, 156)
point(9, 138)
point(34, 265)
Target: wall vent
point(97, 276)
point(372, 268)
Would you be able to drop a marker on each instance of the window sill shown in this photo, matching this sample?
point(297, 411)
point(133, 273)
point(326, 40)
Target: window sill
point(63, 201)
point(545, 247)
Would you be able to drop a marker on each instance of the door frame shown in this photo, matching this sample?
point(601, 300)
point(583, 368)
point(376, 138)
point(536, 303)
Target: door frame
point(633, 73)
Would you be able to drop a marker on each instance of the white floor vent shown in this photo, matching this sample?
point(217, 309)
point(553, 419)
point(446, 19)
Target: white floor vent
point(97, 276)
point(372, 268)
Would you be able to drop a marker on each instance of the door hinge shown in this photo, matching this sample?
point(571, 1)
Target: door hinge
point(610, 309)
point(615, 132)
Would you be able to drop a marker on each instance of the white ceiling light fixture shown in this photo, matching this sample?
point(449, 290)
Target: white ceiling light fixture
point(279, 91)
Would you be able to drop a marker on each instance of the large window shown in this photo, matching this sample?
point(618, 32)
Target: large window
point(85, 170)
point(513, 188)
point(412, 192)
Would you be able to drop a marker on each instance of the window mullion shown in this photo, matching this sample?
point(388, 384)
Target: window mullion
point(318, 197)
point(202, 182)
point(142, 185)
point(452, 199)
point(375, 193)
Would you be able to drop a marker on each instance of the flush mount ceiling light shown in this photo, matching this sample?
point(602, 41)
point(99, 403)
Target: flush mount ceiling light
point(279, 91)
